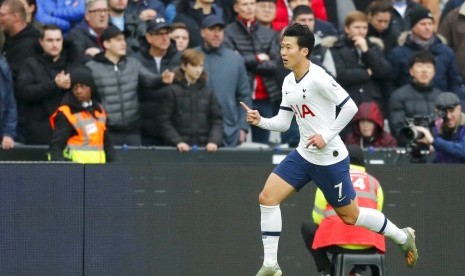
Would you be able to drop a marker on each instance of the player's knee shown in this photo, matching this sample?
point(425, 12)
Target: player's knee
point(349, 219)
point(263, 199)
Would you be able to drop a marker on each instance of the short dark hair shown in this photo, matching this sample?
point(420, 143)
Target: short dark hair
point(49, 27)
point(301, 9)
point(422, 56)
point(376, 7)
point(305, 37)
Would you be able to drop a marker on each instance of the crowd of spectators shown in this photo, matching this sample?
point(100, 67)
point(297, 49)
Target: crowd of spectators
point(394, 57)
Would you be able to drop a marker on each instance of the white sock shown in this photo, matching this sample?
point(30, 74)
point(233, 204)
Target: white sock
point(271, 225)
point(376, 221)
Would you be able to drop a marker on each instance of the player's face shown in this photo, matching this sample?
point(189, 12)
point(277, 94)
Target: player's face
point(291, 54)
point(422, 73)
point(380, 21)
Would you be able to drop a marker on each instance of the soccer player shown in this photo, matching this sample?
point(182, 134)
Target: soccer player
point(312, 96)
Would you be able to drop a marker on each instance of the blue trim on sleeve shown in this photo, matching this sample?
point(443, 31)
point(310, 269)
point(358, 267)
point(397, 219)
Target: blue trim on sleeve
point(343, 102)
point(285, 108)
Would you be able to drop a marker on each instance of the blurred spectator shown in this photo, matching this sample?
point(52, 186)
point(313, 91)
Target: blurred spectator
point(129, 23)
point(320, 55)
point(321, 27)
point(265, 12)
point(161, 58)
point(79, 125)
point(449, 6)
point(146, 9)
point(434, 7)
point(21, 39)
point(42, 82)
point(448, 136)
point(63, 14)
point(117, 78)
point(379, 19)
point(229, 83)
point(360, 65)
point(21, 42)
point(191, 115)
point(260, 48)
point(31, 11)
point(86, 35)
point(452, 28)
point(8, 114)
point(192, 14)
point(415, 98)
point(328, 234)
point(283, 15)
point(368, 128)
point(180, 34)
point(400, 21)
point(422, 37)
point(229, 15)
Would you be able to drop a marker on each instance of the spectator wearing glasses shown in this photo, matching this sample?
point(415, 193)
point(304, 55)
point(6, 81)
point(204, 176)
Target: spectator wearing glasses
point(86, 35)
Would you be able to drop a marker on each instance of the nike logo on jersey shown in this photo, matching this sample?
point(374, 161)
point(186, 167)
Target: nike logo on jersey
point(341, 199)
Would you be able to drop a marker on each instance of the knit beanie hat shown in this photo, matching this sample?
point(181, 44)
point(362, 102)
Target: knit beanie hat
point(83, 75)
point(418, 14)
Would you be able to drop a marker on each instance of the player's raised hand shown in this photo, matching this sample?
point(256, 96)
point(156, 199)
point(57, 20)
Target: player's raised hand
point(253, 116)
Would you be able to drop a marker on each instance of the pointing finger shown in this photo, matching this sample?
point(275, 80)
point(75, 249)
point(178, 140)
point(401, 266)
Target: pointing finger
point(245, 106)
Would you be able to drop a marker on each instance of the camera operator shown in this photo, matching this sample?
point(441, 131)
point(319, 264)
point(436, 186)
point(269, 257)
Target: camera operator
point(448, 137)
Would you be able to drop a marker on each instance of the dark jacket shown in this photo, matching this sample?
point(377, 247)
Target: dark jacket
point(352, 74)
point(380, 139)
point(39, 93)
point(401, 24)
point(251, 43)
point(150, 99)
point(193, 19)
point(388, 36)
point(447, 76)
point(8, 114)
point(64, 130)
point(28, 39)
point(450, 148)
point(191, 113)
point(83, 38)
point(117, 86)
point(408, 101)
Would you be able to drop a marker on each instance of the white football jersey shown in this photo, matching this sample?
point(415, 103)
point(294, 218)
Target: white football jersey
point(313, 99)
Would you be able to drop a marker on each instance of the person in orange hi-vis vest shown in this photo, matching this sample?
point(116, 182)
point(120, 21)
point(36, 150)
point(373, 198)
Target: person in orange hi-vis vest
point(328, 234)
point(79, 125)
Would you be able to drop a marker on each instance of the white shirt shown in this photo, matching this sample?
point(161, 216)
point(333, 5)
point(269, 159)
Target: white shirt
point(313, 100)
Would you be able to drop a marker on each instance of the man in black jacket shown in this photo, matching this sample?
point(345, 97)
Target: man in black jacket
point(160, 57)
point(42, 82)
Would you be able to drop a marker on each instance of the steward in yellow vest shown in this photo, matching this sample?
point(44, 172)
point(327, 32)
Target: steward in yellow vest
point(79, 124)
point(328, 233)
